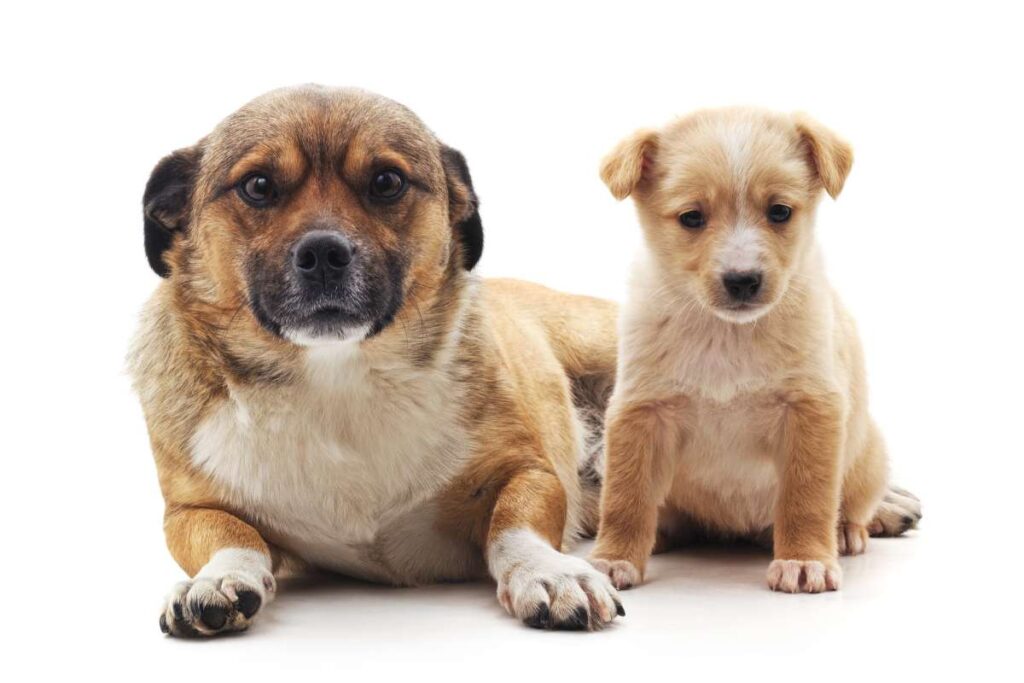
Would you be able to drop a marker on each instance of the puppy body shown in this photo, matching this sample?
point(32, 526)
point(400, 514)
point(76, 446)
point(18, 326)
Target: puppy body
point(738, 418)
point(325, 380)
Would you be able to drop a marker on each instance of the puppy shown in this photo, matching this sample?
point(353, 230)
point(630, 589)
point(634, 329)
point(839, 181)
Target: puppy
point(324, 379)
point(741, 407)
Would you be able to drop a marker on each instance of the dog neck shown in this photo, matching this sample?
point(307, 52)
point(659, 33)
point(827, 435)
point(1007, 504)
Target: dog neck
point(696, 351)
point(420, 341)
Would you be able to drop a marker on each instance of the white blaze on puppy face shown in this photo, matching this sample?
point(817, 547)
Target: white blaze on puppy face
point(742, 250)
point(735, 141)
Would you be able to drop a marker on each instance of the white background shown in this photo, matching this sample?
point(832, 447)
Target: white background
point(925, 243)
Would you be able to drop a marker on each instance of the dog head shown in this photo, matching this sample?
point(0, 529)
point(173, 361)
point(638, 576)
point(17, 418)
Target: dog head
point(317, 211)
point(727, 200)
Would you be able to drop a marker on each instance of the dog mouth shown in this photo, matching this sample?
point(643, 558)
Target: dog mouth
point(329, 320)
point(306, 312)
point(322, 321)
point(327, 313)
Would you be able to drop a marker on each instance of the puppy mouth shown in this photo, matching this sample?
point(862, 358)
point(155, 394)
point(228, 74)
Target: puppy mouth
point(740, 313)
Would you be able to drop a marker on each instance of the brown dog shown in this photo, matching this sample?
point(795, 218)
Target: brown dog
point(741, 405)
point(324, 379)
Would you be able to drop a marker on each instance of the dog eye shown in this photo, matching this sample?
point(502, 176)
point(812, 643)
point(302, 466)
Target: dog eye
point(692, 220)
point(779, 213)
point(388, 184)
point(256, 189)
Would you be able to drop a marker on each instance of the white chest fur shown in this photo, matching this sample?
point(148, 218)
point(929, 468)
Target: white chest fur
point(328, 465)
point(727, 475)
point(728, 472)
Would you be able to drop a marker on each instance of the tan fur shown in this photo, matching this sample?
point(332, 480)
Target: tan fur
point(734, 419)
point(497, 363)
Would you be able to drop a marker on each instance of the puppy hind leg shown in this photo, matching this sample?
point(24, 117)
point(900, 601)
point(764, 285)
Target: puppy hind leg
point(536, 583)
point(898, 512)
point(863, 487)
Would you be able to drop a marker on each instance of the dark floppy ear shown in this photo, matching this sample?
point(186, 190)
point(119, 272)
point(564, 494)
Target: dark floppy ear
point(463, 207)
point(165, 204)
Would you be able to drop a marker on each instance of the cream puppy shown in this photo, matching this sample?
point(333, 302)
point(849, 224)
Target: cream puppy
point(740, 408)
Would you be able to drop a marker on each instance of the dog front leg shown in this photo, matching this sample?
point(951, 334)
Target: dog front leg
point(807, 510)
point(231, 571)
point(642, 440)
point(536, 583)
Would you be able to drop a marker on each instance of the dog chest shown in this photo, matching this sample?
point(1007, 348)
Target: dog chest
point(328, 471)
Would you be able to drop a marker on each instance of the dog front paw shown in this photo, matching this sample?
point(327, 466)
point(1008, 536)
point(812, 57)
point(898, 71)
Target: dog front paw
point(548, 589)
point(804, 576)
point(623, 573)
point(226, 595)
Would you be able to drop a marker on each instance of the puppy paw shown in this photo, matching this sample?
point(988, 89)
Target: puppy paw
point(623, 573)
point(224, 596)
point(852, 538)
point(549, 590)
point(898, 512)
point(804, 576)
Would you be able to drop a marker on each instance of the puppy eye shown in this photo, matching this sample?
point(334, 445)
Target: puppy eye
point(779, 213)
point(256, 189)
point(692, 220)
point(388, 185)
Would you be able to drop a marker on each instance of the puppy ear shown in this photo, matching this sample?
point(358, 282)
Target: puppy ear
point(463, 207)
point(165, 204)
point(831, 156)
point(624, 167)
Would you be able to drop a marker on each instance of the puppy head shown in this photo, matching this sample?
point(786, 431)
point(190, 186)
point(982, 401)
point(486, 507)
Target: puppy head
point(727, 201)
point(320, 211)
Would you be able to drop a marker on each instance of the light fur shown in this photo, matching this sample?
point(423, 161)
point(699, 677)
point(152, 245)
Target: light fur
point(731, 420)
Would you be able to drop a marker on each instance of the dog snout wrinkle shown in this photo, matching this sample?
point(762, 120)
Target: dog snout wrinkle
point(322, 257)
point(742, 286)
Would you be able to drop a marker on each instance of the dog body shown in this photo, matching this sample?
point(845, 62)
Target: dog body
point(324, 379)
point(368, 454)
point(741, 404)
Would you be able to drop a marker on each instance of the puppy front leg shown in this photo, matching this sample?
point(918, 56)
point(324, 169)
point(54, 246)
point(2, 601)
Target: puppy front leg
point(231, 571)
point(642, 440)
point(537, 583)
point(807, 510)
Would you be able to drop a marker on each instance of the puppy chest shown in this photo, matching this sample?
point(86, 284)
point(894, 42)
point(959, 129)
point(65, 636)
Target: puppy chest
point(328, 479)
point(728, 473)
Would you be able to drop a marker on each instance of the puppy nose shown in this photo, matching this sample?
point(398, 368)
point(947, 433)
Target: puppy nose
point(742, 286)
point(322, 256)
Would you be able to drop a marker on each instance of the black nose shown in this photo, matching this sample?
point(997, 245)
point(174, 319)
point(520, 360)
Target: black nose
point(742, 286)
point(322, 256)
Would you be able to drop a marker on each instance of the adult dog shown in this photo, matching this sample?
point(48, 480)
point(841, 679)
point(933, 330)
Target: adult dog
point(324, 379)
